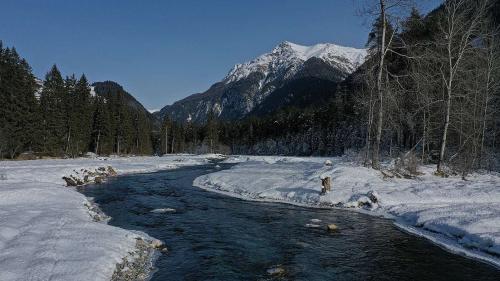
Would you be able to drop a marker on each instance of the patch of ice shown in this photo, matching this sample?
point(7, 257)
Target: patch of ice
point(163, 210)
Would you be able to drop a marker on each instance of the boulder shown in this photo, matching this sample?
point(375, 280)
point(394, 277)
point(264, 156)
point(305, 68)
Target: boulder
point(77, 180)
point(332, 227)
point(328, 163)
point(159, 245)
point(276, 270)
point(373, 196)
point(70, 181)
point(98, 180)
point(112, 172)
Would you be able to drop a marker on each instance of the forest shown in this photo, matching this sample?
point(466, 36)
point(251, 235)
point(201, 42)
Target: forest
point(428, 93)
point(61, 117)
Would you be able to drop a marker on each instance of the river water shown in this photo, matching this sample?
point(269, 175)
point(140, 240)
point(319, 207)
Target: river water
point(215, 237)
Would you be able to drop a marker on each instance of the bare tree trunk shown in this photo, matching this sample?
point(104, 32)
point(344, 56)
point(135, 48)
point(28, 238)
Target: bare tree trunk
point(68, 140)
point(461, 22)
point(118, 146)
point(380, 115)
point(173, 142)
point(97, 144)
point(369, 128)
point(13, 152)
point(490, 66)
point(445, 129)
point(424, 134)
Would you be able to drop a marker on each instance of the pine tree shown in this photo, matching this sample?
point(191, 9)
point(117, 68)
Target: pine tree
point(211, 131)
point(52, 106)
point(70, 118)
point(82, 116)
point(17, 88)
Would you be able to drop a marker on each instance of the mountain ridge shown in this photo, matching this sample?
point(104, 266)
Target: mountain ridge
point(247, 85)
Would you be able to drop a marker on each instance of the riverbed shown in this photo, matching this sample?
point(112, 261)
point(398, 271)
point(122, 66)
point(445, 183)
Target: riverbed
point(215, 237)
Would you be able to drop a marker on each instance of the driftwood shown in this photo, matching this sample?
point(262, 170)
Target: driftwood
point(326, 184)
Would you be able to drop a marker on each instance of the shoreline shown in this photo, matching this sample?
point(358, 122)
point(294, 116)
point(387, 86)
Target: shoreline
point(438, 240)
point(276, 183)
point(139, 265)
point(53, 228)
point(45, 183)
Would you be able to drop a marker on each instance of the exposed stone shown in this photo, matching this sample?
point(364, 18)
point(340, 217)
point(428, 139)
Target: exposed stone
point(328, 163)
point(112, 172)
point(277, 270)
point(159, 245)
point(98, 180)
point(138, 267)
point(332, 227)
point(373, 196)
point(85, 176)
point(70, 181)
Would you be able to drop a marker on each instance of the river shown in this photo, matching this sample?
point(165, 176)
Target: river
point(215, 237)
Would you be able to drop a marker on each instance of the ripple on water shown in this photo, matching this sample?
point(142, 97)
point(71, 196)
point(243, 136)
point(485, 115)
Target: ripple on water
point(214, 237)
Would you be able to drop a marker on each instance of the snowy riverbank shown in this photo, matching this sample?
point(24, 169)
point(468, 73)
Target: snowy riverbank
point(462, 216)
point(46, 229)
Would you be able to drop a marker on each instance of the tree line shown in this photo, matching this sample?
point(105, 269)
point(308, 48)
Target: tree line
point(61, 117)
point(428, 90)
point(430, 85)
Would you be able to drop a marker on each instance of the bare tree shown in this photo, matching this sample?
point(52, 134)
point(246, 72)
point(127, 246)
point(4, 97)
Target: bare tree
point(453, 43)
point(385, 29)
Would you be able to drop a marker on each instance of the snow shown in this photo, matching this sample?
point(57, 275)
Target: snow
point(153, 110)
point(287, 57)
point(46, 228)
point(39, 87)
point(92, 91)
point(462, 216)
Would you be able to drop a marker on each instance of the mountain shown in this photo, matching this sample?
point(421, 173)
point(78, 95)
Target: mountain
point(288, 75)
point(107, 88)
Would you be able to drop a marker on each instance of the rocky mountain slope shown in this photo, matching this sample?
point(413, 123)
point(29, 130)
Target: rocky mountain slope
point(285, 76)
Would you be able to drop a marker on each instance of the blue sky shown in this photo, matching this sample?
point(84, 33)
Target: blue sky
point(162, 51)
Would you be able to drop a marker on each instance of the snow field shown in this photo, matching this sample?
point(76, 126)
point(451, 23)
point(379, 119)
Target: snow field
point(46, 228)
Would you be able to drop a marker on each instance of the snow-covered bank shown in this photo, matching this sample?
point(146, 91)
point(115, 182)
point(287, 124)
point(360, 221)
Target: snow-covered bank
point(463, 216)
point(46, 230)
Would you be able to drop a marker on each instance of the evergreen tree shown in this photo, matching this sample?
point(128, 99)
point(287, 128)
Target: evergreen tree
point(53, 112)
point(211, 131)
point(101, 130)
point(17, 113)
point(71, 119)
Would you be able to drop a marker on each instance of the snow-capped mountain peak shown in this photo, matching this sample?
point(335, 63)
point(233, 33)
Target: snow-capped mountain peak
point(288, 57)
point(289, 75)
